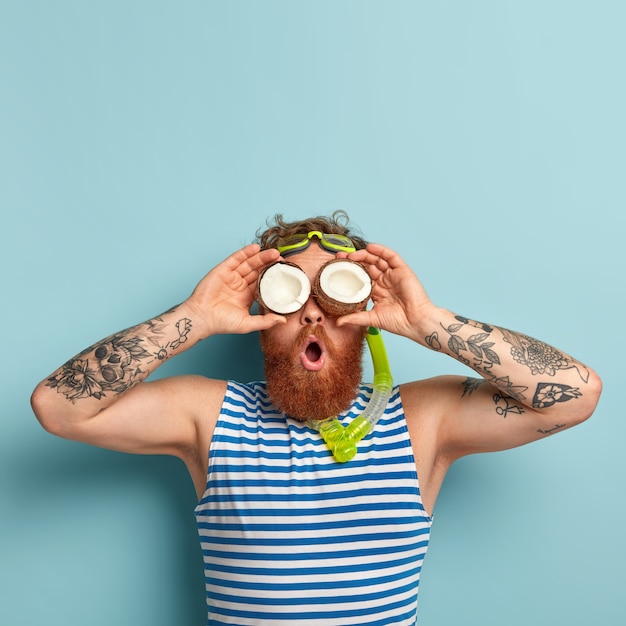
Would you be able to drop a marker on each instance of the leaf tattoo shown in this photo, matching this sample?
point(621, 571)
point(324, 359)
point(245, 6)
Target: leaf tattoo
point(477, 344)
point(471, 384)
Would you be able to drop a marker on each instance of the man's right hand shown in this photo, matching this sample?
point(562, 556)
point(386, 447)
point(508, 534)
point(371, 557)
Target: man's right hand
point(221, 302)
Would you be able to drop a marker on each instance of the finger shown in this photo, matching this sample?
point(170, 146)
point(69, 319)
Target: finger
point(266, 321)
point(362, 318)
point(372, 265)
point(252, 278)
point(250, 258)
point(383, 251)
point(265, 256)
point(248, 267)
point(375, 263)
point(240, 256)
point(378, 254)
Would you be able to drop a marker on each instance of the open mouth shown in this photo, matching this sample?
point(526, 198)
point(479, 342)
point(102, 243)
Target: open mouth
point(313, 354)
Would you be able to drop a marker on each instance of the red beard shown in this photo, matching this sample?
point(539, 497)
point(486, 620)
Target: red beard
point(304, 394)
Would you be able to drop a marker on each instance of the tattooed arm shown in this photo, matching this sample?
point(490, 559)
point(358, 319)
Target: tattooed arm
point(99, 375)
point(99, 395)
point(528, 389)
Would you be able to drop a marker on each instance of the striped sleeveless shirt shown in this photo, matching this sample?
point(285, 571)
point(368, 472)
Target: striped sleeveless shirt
point(291, 537)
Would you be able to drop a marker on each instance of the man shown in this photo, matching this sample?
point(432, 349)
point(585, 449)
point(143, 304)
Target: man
point(289, 535)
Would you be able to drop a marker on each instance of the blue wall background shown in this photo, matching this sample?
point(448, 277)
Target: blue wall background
point(143, 141)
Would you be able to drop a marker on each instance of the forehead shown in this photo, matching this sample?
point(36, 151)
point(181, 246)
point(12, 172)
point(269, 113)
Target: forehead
point(311, 259)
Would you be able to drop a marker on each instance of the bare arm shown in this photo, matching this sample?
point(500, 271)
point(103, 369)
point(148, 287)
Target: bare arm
point(99, 375)
point(527, 388)
point(100, 397)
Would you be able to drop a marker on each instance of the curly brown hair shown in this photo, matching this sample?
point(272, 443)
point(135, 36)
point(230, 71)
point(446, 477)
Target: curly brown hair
point(338, 223)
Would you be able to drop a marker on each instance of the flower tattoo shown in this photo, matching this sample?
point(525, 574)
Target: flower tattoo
point(540, 357)
point(77, 380)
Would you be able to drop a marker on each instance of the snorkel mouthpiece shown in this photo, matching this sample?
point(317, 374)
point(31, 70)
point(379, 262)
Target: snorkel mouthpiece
point(342, 441)
point(338, 439)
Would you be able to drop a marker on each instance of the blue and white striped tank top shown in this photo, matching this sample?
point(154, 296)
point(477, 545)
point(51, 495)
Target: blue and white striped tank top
point(291, 537)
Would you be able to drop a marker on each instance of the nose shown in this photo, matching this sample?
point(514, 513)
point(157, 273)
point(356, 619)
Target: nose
point(311, 313)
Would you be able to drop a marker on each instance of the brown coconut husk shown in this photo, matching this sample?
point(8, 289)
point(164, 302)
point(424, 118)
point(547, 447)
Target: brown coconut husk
point(331, 305)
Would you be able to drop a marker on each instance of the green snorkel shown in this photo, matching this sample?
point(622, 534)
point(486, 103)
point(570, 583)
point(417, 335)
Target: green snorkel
point(342, 441)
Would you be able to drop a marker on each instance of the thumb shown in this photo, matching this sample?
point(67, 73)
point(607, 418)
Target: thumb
point(361, 318)
point(266, 321)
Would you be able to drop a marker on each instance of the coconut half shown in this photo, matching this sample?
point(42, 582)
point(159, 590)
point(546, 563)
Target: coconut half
point(342, 286)
point(283, 288)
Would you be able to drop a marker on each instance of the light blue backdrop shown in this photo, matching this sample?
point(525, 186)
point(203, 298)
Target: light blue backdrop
point(143, 141)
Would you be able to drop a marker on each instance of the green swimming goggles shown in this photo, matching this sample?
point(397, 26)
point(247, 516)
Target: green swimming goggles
point(331, 242)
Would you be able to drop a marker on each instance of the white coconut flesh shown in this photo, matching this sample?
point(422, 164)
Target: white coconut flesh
point(345, 281)
point(284, 288)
